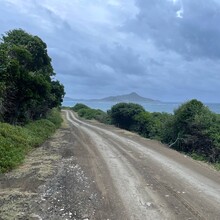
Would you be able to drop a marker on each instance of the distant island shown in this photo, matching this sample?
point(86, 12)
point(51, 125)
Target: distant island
point(67, 99)
point(131, 97)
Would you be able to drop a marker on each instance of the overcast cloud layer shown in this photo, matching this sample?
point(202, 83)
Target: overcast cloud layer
point(163, 49)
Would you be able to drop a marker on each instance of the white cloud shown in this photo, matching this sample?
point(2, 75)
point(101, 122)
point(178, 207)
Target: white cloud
point(179, 13)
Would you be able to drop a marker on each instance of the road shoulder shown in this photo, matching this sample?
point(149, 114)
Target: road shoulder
point(59, 180)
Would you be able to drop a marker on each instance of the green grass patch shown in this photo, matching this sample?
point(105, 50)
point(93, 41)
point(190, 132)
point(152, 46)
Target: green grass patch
point(199, 157)
point(217, 166)
point(16, 141)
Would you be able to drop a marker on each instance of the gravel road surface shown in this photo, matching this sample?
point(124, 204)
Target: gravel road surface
point(90, 171)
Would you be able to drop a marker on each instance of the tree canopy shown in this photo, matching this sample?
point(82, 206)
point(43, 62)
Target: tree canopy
point(123, 114)
point(192, 129)
point(195, 129)
point(27, 90)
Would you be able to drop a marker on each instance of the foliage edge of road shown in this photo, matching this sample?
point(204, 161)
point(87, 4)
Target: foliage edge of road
point(140, 119)
point(17, 141)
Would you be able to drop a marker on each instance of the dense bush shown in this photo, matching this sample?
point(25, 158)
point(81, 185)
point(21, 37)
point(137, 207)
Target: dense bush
point(143, 123)
point(192, 129)
point(85, 112)
point(16, 141)
point(123, 115)
point(27, 89)
point(133, 117)
point(54, 116)
point(79, 106)
point(159, 120)
point(88, 113)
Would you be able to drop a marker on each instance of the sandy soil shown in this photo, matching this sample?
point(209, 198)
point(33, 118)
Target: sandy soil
point(88, 170)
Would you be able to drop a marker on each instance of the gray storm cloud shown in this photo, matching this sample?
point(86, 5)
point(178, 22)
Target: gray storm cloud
point(163, 49)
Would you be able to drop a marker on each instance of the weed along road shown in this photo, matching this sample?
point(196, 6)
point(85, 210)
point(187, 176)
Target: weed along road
point(142, 179)
point(93, 171)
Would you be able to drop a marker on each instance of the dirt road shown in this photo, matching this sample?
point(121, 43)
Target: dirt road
point(95, 171)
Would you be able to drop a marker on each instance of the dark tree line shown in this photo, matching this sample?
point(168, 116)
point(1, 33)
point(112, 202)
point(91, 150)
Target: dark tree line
point(192, 129)
point(27, 88)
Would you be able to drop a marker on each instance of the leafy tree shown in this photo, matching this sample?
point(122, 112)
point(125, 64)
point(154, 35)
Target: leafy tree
point(40, 61)
point(123, 114)
point(57, 93)
point(143, 123)
point(158, 123)
point(151, 125)
point(27, 90)
point(195, 130)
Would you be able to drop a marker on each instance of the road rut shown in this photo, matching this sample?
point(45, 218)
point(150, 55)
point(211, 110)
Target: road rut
point(92, 171)
point(152, 181)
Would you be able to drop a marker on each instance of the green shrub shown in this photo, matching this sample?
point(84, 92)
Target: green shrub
point(16, 141)
point(103, 117)
point(158, 123)
point(195, 130)
point(199, 157)
point(88, 113)
point(11, 154)
point(123, 114)
point(142, 124)
point(217, 166)
point(79, 106)
point(40, 130)
point(192, 129)
point(54, 117)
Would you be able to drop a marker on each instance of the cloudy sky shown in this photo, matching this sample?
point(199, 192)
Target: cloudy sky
point(163, 49)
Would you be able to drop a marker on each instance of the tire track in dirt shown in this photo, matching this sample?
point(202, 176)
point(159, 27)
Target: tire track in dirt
point(140, 203)
point(190, 196)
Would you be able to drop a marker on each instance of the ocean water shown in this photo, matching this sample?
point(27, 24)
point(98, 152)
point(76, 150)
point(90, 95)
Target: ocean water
point(151, 107)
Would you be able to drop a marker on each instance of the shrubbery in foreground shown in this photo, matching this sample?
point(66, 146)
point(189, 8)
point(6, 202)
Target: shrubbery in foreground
point(16, 141)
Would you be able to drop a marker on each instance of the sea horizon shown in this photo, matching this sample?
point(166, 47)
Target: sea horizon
point(167, 107)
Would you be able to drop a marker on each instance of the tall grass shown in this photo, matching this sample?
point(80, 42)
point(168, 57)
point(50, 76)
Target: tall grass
point(16, 141)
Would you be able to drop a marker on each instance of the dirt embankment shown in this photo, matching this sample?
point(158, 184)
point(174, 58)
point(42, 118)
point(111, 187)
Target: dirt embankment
point(89, 171)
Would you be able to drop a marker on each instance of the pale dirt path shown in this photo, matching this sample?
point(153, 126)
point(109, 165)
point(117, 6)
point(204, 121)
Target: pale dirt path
point(140, 202)
point(171, 186)
point(92, 171)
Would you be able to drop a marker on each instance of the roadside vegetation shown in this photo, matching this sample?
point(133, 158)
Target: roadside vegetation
point(192, 129)
point(27, 88)
point(29, 97)
point(16, 141)
point(89, 113)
